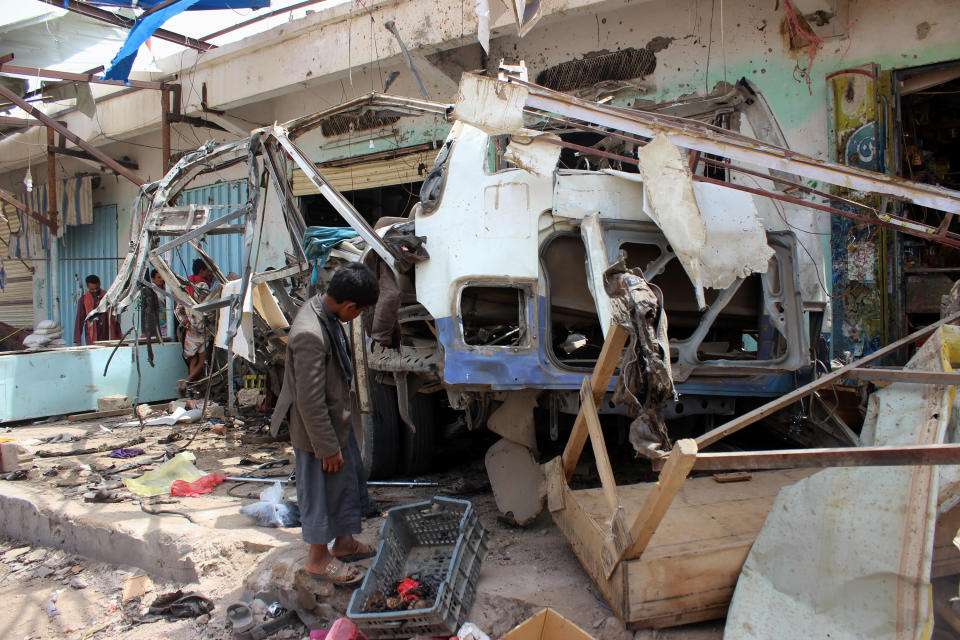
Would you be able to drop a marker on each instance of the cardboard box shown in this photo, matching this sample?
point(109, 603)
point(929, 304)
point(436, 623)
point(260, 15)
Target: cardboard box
point(547, 625)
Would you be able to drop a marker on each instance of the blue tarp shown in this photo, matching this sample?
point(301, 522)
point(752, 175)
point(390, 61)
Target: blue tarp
point(122, 63)
point(317, 242)
point(201, 5)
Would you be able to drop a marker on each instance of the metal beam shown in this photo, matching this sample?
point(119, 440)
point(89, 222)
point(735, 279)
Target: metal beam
point(11, 199)
point(264, 16)
point(201, 230)
point(33, 72)
point(69, 135)
point(785, 400)
point(83, 155)
point(923, 454)
point(906, 375)
point(336, 199)
point(701, 137)
point(111, 18)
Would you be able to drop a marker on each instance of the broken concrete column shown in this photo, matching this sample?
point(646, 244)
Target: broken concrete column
point(113, 403)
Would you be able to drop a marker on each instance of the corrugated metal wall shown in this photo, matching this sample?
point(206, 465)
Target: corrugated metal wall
point(86, 249)
point(383, 173)
point(16, 298)
point(226, 250)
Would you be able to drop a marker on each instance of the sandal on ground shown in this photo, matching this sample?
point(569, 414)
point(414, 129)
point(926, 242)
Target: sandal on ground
point(341, 574)
point(360, 551)
point(191, 605)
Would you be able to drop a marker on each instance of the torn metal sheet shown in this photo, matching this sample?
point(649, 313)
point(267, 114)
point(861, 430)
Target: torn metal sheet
point(846, 553)
point(671, 203)
point(490, 105)
point(534, 154)
point(736, 239)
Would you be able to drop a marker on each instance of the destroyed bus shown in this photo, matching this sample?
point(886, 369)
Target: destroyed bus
point(508, 312)
point(544, 219)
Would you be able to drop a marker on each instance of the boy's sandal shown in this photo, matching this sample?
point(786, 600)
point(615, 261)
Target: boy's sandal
point(342, 575)
point(360, 551)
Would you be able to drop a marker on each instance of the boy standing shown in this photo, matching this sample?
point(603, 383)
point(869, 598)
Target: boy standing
point(316, 392)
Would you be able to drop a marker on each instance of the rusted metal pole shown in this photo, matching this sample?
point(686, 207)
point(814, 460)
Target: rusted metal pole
point(33, 72)
point(69, 135)
point(51, 183)
point(106, 16)
point(165, 129)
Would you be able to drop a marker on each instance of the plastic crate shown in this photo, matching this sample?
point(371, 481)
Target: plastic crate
point(440, 536)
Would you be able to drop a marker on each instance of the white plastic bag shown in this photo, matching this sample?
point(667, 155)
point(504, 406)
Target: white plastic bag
point(470, 631)
point(273, 510)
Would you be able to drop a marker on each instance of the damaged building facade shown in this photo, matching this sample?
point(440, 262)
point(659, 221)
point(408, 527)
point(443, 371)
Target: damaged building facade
point(510, 304)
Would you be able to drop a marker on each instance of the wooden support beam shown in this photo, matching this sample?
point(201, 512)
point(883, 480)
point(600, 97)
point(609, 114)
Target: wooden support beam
point(786, 400)
point(921, 454)
point(69, 135)
point(599, 381)
point(33, 72)
point(111, 18)
point(51, 182)
point(905, 376)
point(588, 409)
point(658, 500)
point(165, 130)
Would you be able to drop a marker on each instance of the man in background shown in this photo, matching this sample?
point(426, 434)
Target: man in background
point(102, 326)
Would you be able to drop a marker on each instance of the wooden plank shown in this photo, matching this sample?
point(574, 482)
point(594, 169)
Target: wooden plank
point(661, 495)
point(586, 537)
point(689, 569)
point(589, 411)
point(599, 380)
point(906, 376)
point(786, 400)
point(921, 454)
point(95, 415)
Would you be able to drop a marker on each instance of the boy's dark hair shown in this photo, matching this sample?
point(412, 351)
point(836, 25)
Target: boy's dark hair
point(354, 282)
point(153, 274)
point(198, 266)
point(92, 279)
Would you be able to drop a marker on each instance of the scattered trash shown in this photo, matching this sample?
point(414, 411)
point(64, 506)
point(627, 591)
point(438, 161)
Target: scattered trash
point(179, 414)
point(220, 429)
point(159, 481)
point(135, 587)
point(206, 484)
point(107, 429)
point(240, 616)
point(60, 437)
point(51, 606)
point(272, 510)
point(178, 605)
point(130, 452)
point(78, 583)
point(470, 631)
point(341, 629)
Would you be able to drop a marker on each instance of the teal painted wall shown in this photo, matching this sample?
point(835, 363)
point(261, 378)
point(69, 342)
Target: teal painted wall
point(64, 381)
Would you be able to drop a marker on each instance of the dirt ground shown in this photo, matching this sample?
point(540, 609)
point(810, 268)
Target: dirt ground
point(47, 593)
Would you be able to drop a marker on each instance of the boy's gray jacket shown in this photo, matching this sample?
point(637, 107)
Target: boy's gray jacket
point(315, 391)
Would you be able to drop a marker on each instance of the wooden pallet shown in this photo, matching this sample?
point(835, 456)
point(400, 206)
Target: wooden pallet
point(669, 553)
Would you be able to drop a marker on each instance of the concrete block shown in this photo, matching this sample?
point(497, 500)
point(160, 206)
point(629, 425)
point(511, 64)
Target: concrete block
point(249, 397)
point(113, 403)
point(13, 456)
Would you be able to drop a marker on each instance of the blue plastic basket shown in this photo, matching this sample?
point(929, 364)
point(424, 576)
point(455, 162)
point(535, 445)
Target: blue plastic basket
point(440, 536)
